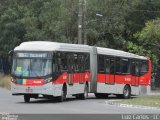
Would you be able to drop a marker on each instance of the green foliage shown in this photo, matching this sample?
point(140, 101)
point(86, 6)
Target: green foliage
point(133, 48)
point(149, 38)
point(139, 13)
point(119, 27)
point(150, 34)
point(106, 30)
point(12, 30)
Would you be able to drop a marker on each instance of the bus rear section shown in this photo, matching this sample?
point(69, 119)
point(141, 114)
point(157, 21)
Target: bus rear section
point(121, 73)
point(50, 74)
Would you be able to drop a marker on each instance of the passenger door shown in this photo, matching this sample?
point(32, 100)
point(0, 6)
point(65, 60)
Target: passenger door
point(112, 71)
point(81, 68)
point(135, 73)
point(107, 70)
point(70, 61)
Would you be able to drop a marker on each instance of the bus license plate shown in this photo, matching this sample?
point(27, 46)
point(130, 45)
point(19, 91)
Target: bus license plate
point(29, 90)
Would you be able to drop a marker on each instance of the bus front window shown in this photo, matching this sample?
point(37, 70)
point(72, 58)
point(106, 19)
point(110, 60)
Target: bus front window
point(40, 67)
point(31, 67)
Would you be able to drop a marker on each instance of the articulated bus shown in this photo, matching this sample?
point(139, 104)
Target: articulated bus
point(51, 69)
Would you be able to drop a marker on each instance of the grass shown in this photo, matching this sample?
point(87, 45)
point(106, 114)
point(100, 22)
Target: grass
point(5, 81)
point(151, 101)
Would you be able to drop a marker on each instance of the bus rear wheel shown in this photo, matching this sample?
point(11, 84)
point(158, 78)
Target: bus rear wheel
point(126, 92)
point(27, 98)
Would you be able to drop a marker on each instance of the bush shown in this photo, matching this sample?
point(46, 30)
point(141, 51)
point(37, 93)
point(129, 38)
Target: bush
point(5, 81)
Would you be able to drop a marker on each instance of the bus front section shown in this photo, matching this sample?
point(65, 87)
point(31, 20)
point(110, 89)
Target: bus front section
point(32, 74)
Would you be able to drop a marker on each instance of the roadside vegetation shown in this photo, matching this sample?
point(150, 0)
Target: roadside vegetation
point(5, 81)
point(151, 101)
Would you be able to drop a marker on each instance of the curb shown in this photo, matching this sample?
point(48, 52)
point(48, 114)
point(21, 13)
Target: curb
point(113, 102)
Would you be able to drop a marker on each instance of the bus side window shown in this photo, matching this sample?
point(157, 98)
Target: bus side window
point(143, 67)
point(137, 68)
point(107, 66)
point(70, 62)
point(112, 66)
point(133, 68)
point(54, 63)
point(63, 61)
point(118, 65)
point(125, 66)
point(86, 62)
point(58, 68)
point(101, 67)
point(81, 63)
point(76, 65)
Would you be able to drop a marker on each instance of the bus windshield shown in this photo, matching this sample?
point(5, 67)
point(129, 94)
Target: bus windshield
point(31, 67)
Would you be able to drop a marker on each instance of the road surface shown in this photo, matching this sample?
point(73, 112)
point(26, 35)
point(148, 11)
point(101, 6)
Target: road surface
point(15, 105)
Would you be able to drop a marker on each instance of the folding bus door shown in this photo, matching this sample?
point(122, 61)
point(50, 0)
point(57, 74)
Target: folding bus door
point(70, 61)
point(107, 70)
point(137, 70)
point(81, 69)
point(135, 73)
point(112, 71)
point(133, 79)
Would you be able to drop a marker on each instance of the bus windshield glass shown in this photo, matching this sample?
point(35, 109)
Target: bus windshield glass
point(31, 67)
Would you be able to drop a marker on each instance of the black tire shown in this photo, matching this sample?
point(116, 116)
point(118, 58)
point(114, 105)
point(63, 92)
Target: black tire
point(126, 92)
point(101, 95)
point(84, 95)
point(27, 98)
point(78, 96)
point(63, 95)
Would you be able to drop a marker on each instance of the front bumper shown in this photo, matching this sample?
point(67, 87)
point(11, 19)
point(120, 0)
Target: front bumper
point(47, 89)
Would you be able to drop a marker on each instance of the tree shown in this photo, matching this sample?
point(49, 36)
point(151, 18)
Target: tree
point(12, 30)
point(139, 13)
point(149, 38)
point(107, 30)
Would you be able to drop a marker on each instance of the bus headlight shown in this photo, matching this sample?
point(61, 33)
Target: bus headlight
point(13, 80)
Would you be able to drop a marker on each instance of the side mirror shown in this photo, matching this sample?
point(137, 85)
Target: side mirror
point(10, 53)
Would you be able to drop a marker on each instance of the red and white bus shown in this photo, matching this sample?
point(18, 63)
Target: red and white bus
point(51, 69)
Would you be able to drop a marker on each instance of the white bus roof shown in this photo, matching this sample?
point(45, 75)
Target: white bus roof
point(51, 46)
point(55, 46)
point(108, 51)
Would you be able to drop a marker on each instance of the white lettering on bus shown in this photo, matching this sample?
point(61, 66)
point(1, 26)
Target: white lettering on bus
point(36, 82)
point(127, 79)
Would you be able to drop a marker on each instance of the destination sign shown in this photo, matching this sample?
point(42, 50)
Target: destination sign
point(33, 55)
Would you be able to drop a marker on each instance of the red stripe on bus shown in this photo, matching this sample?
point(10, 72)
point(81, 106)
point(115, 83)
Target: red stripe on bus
point(72, 78)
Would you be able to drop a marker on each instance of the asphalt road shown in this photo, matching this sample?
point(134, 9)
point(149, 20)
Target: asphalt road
point(15, 105)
